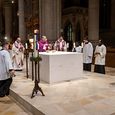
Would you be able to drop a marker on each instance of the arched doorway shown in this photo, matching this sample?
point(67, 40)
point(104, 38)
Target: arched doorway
point(68, 35)
point(68, 32)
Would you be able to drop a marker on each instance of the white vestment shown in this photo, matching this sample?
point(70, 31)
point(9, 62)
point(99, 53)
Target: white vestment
point(100, 58)
point(17, 55)
point(60, 45)
point(5, 64)
point(87, 53)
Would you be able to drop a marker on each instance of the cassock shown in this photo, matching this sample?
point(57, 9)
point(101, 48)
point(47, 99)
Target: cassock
point(100, 54)
point(5, 66)
point(87, 56)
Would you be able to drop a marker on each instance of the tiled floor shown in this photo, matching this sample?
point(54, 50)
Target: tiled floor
point(92, 95)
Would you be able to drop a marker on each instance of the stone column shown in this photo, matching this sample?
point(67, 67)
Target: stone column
point(93, 20)
point(22, 32)
point(1, 16)
point(50, 18)
point(113, 14)
point(8, 19)
point(1, 21)
point(35, 7)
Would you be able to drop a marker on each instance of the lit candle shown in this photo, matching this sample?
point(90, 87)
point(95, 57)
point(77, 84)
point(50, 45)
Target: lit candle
point(38, 45)
point(74, 44)
point(26, 45)
point(32, 46)
point(31, 42)
point(67, 45)
point(34, 41)
point(35, 44)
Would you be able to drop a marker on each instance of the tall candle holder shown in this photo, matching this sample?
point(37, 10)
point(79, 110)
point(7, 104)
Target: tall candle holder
point(36, 59)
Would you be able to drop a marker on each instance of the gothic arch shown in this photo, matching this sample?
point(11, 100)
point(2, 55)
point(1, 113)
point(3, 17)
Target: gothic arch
point(68, 34)
point(68, 28)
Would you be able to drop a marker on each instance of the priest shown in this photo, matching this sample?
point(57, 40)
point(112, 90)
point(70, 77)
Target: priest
point(60, 44)
point(43, 44)
point(18, 54)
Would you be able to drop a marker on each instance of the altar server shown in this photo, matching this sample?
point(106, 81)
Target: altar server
point(87, 54)
point(6, 70)
point(100, 54)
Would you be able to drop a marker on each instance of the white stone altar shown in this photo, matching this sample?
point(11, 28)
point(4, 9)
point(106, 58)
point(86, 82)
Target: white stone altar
point(60, 66)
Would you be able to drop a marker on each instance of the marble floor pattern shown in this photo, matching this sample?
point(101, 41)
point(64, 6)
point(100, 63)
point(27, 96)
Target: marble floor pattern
point(94, 94)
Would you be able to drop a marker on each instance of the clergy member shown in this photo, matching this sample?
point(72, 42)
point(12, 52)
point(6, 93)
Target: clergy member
point(60, 44)
point(18, 54)
point(43, 44)
point(100, 54)
point(87, 54)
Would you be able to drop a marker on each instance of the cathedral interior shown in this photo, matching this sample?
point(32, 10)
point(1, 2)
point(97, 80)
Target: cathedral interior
point(88, 93)
point(75, 19)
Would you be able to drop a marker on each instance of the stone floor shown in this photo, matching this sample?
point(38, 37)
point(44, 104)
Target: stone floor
point(94, 94)
point(10, 107)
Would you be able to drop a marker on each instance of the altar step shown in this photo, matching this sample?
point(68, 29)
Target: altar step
point(25, 104)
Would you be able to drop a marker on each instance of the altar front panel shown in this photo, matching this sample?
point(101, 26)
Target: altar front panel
point(61, 66)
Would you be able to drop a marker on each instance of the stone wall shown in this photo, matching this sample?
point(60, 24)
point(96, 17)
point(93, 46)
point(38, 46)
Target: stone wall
point(113, 14)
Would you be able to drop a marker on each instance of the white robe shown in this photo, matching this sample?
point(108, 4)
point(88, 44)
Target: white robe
point(5, 64)
point(87, 53)
point(60, 45)
point(100, 58)
point(17, 57)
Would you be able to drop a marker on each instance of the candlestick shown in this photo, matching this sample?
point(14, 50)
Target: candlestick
point(37, 68)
